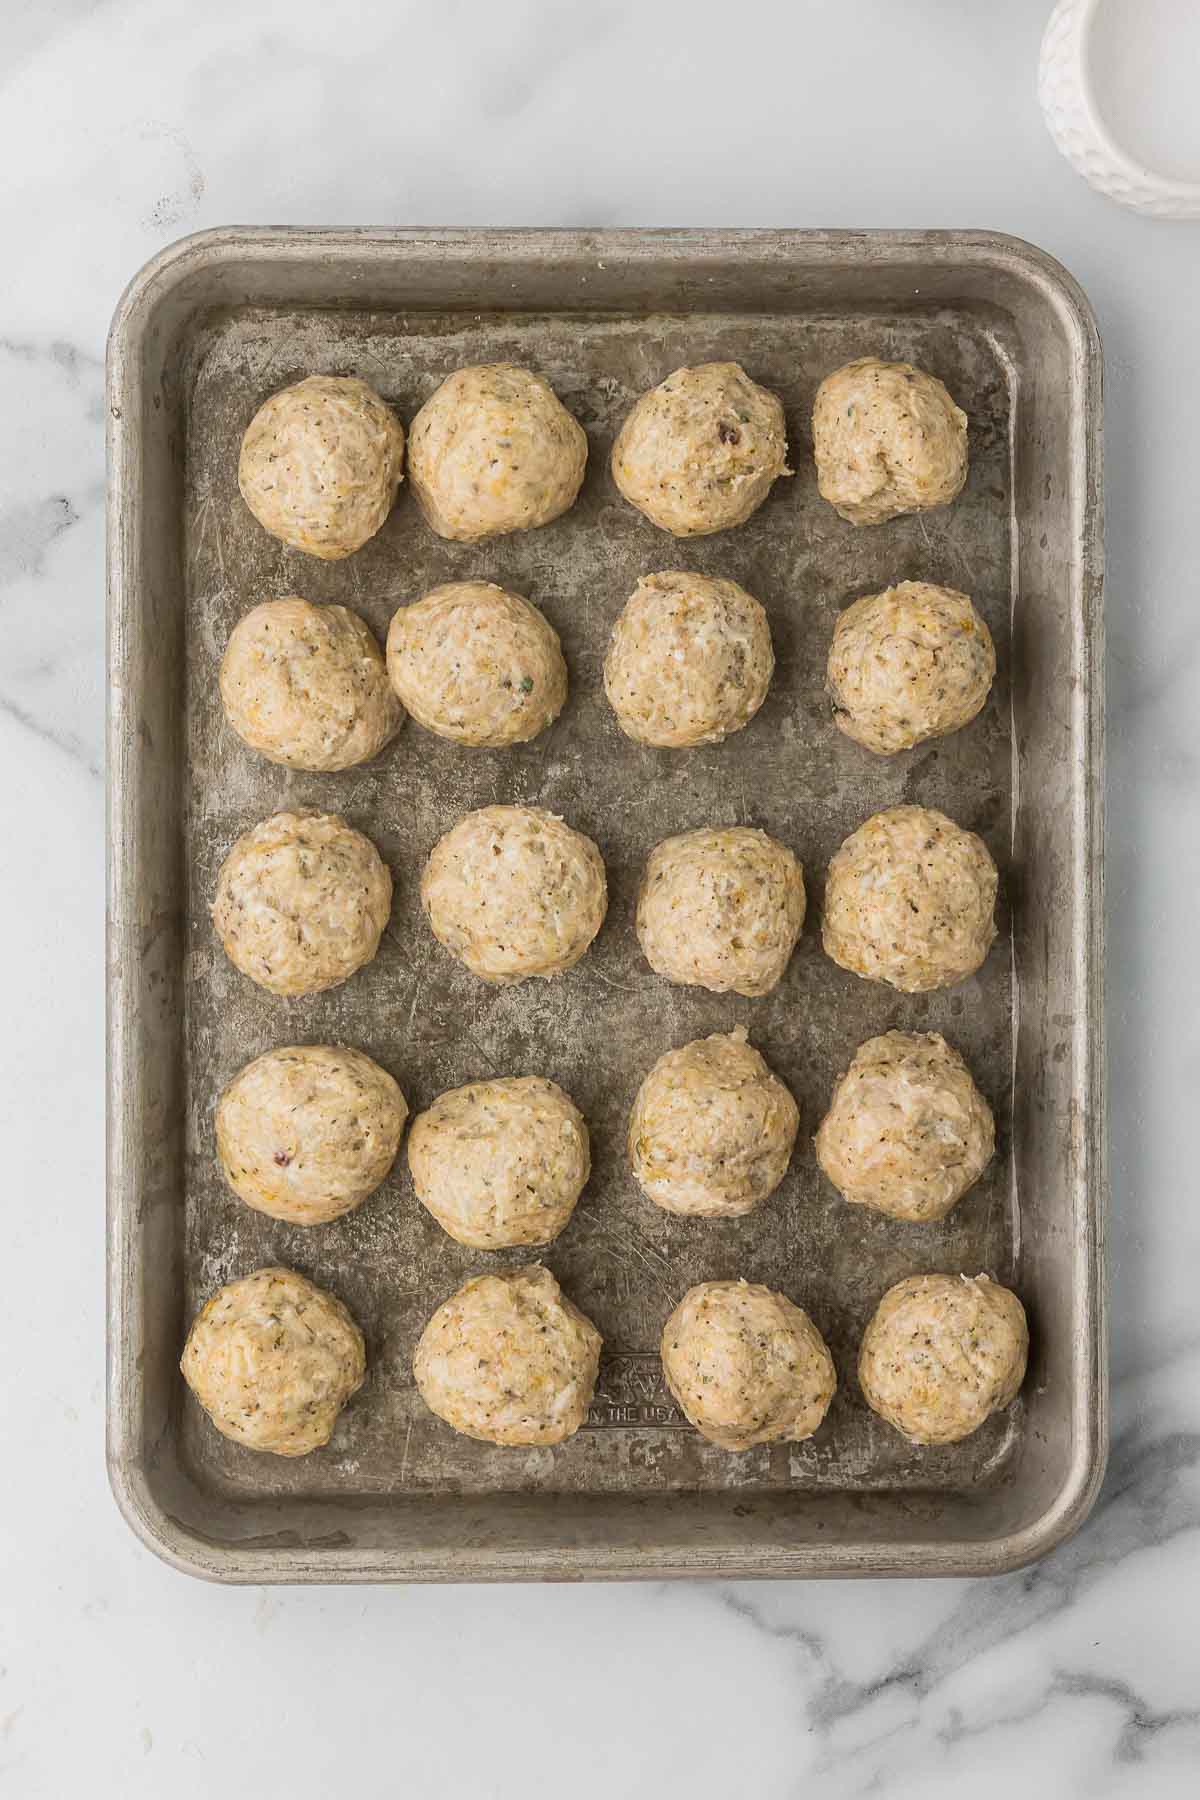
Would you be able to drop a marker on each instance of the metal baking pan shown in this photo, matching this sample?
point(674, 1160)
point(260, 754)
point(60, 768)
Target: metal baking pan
point(204, 333)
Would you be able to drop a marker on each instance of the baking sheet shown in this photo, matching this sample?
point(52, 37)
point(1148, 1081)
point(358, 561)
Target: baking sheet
point(205, 332)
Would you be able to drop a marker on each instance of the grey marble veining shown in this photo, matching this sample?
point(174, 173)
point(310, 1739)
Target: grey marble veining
point(904, 1718)
point(127, 122)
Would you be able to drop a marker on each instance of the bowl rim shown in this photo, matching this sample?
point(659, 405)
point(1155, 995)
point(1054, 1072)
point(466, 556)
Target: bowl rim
point(1071, 52)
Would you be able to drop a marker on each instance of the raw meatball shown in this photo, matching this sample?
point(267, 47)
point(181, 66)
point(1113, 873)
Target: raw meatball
point(907, 1131)
point(699, 452)
point(500, 1162)
point(909, 900)
point(746, 1366)
point(942, 1353)
point(513, 892)
point(508, 1359)
point(912, 663)
point(690, 660)
point(302, 900)
point(712, 1129)
point(320, 465)
point(494, 450)
point(307, 687)
point(306, 1133)
point(273, 1360)
point(887, 439)
point(721, 909)
point(477, 665)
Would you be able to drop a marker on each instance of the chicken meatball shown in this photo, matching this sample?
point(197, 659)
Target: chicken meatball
point(690, 660)
point(494, 450)
point(307, 1132)
point(909, 899)
point(721, 908)
point(887, 439)
point(477, 665)
point(712, 1129)
point(301, 902)
point(320, 465)
point(912, 663)
point(907, 1132)
point(942, 1353)
point(746, 1365)
point(513, 892)
point(273, 1360)
point(501, 1162)
point(508, 1359)
point(306, 686)
point(699, 452)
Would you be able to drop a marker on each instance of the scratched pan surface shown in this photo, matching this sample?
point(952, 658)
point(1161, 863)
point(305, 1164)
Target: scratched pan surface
point(598, 1029)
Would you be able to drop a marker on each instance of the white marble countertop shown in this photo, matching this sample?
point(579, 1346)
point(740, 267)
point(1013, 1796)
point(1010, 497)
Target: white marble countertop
point(128, 122)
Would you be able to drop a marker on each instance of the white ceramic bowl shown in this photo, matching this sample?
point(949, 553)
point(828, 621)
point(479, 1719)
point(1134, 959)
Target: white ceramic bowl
point(1081, 133)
